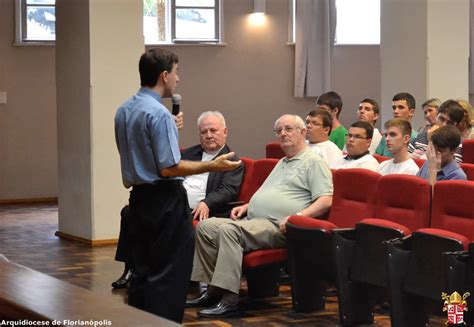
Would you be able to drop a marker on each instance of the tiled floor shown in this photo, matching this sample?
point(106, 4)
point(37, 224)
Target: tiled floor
point(27, 237)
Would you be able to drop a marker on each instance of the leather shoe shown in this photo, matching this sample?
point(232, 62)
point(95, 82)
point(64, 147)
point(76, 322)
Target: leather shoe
point(124, 280)
point(204, 300)
point(220, 310)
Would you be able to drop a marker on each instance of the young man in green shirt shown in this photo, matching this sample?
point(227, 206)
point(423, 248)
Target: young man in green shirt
point(332, 102)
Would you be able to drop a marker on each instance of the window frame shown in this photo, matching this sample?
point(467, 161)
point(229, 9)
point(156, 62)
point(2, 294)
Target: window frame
point(21, 30)
point(217, 24)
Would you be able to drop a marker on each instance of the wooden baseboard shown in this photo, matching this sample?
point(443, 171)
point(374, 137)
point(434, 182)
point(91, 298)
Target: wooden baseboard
point(30, 201)
point(92, 243)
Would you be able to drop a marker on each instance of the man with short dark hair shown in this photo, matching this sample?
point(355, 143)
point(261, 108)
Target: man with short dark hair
point(397, 136)
point(357, 145)
point(441, 165)
point(369, 111)
point(161, 233)
point(403, 106)
point(319, 125)
point(332, 102)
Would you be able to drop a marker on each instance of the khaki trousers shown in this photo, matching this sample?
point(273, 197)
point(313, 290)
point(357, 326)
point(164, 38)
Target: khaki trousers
point(221, 243)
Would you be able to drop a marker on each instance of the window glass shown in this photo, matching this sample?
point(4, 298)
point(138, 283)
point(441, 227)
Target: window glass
point(195, 24)
point(39, 20)
point(358, 22)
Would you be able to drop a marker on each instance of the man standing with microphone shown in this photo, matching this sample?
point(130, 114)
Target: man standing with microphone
point(161, 231)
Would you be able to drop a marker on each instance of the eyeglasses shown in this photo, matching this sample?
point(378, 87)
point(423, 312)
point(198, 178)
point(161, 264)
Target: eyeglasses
point(356, 137)
point(287, 129)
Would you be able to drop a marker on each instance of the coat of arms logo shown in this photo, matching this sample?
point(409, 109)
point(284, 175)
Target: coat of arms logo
point(455, 305)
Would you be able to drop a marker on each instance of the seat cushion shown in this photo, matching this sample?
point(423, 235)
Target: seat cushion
point(386, 224)
point(264, 257)
point(446, 234)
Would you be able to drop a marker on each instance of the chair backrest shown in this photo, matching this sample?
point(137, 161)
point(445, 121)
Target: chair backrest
point(245, 187)
point(273, 150)
point(354, 196)
point(261, 169)
point(404, 199)
point(468, 151)
point(380, 158)
point(420, 162)
point(453, 208)
point(468, 169)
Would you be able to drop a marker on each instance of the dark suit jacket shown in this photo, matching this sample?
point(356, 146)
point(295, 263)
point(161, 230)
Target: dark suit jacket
point(222, 187)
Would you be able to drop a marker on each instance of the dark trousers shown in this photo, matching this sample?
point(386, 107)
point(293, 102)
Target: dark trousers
point(124, 253)
point(162, 247)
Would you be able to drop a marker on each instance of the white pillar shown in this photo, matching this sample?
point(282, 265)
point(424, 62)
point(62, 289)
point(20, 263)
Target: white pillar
point(98, 46)
point(424, 51)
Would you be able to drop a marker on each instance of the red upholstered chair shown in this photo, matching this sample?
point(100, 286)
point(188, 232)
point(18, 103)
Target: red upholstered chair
point(309, 239)
point(469, 170)
point(273, 150)
point(403, 205)
point(262, 267)
point(468, 151)
point(380, 158)
point(245, 188)
point(418, 265)
point(420, 162)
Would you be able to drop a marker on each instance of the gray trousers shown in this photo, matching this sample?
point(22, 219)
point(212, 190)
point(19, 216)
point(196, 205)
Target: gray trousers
point(221, 243)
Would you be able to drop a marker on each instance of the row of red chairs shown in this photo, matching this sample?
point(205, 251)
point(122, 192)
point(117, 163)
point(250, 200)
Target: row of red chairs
point(273, 150)
point(373, 210)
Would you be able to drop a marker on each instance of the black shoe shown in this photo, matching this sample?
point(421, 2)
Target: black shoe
point(220, 310)
point(204, 300)
point(124, 280)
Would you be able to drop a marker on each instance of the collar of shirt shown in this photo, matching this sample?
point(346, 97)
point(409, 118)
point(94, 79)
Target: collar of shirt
point(449, 168)
point(348, 158)
point(150, 92)
point(298, 155)
point(208, 156)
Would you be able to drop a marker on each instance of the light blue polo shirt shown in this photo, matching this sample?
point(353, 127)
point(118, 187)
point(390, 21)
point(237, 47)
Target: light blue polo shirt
point(451, 171)
point(147, 138)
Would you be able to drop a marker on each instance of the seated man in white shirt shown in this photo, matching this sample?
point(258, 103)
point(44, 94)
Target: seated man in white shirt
point(369, 111)
point(397, 136)
point(319, 125)
point(358, 141)
point(209, 194)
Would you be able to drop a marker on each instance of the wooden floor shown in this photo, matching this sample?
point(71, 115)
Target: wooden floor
point(27, 237)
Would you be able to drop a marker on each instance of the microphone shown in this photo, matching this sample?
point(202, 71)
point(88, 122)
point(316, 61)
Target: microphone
point(176, 100)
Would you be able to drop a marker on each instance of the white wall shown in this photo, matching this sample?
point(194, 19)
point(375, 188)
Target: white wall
point(28, 156)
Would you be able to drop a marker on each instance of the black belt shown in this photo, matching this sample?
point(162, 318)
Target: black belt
point(159, 185)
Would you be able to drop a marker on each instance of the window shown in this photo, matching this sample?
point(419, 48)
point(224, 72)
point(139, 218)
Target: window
point(176, 21)
point(36, 21)
point(164, 21)
point(358, 22)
